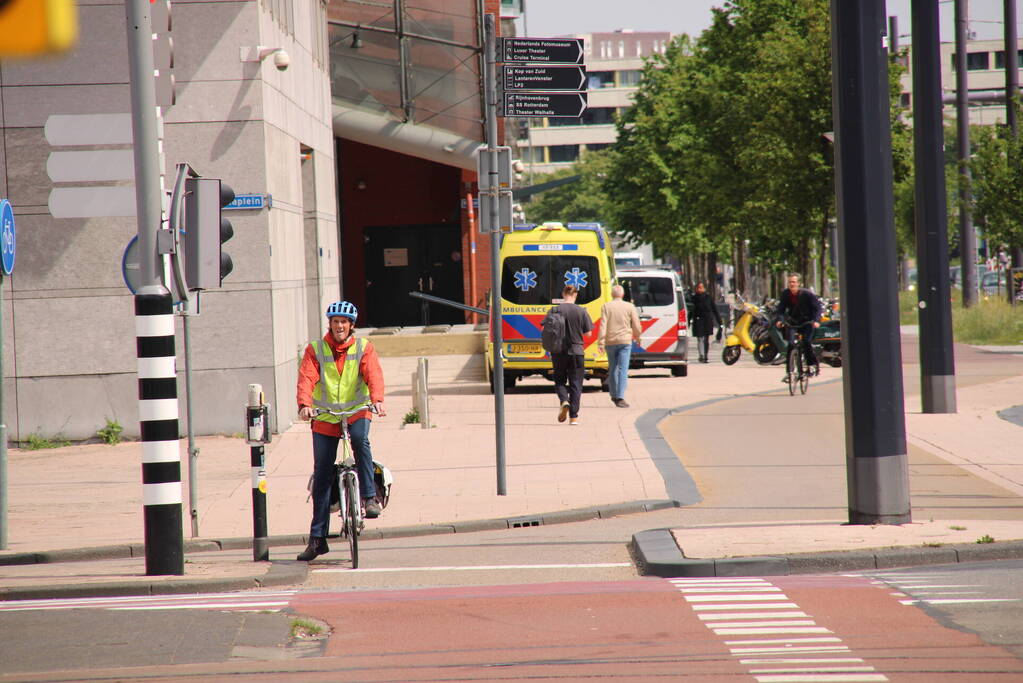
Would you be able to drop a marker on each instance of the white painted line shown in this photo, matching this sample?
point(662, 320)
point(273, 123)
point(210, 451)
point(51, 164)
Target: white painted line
point(482, 567)
point(958, 601)
point(716, 581)
point(814, 669)
point(728, 589)
point(802, 660)
point(820, 678)
point(948, 593)
point(952, 585)
point(786, 650)
point(754, 615)
point(729, 631)
point(205, 605)
point(722, 598)
point(745, 606)
point(774, 641)
point(762, 624)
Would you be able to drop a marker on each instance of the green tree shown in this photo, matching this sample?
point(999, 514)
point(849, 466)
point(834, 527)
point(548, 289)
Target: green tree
point(997, 168)
point(579, 201)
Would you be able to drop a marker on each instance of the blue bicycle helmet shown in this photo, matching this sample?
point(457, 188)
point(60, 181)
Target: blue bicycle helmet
point(344, 309)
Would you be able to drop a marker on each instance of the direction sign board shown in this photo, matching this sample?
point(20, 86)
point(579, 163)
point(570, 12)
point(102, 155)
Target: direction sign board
point(248, 201)
point(550, 104)
point(7, 241)
point(541, 50)
point(529, 77)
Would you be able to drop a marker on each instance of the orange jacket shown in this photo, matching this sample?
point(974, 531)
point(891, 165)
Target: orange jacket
point(309, 375)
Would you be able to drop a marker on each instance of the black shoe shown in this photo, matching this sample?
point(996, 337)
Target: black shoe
point(621, 403)
point(317, 546)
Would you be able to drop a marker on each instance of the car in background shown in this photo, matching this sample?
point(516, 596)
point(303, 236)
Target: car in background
point(993, 282)
point(656, 292)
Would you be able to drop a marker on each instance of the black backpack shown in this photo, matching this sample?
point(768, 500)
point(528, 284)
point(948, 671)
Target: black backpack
point(555, 332)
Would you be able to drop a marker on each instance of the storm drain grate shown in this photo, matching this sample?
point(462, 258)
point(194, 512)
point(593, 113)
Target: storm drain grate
point(524, 522)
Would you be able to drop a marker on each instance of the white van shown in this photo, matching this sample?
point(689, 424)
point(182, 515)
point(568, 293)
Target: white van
point(656, 292)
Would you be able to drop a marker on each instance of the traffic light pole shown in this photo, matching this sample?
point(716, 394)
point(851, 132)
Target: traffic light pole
point(154, 317)
point(490, 93)
point(875, 429)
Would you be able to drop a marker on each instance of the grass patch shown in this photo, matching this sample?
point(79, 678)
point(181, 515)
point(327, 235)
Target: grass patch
point(956, 527)
point(985, 539)
point(304, 629)
point(37, 442)
point(993, 321)
point(411, 417)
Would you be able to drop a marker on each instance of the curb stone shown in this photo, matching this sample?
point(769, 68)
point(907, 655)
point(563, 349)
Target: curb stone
point(281, 572)
point(657, 554)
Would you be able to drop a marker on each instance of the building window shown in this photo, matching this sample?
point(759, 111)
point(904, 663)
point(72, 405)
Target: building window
point(905, 100)
point(598, 116)
point(563, 153)
point(1000, 59)
point(975, 61)
point(597, 146)
point(629, 79)
point(600, 79)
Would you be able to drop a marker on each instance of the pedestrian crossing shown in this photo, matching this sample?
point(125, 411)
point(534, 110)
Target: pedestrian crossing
point(781, 643)
point(934, 588)
point(255, 601)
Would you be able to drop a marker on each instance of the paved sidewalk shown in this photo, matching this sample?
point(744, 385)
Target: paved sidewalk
point(75, 514)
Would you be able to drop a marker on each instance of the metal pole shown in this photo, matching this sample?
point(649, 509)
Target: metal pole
point(1012, 98)
point(3, 430)
point(967, 235)
point(937, 363)
point(193, 452)
point(148, 200)
point(490, 88)
point(876, 454)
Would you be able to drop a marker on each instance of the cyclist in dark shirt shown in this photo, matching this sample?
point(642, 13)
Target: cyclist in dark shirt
point(803, 308)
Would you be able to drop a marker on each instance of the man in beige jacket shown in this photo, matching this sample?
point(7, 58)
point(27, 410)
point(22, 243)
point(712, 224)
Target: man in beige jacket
point(619, 326)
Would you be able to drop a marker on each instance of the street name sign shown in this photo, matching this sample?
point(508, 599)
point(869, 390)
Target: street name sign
point(530, 77)
point(549, 104)
point(248, 201)
point(541, 50)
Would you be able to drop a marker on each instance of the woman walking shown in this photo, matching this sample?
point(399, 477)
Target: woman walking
point(704, 316)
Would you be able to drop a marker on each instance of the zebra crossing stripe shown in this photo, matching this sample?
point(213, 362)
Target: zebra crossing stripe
point(734, 604)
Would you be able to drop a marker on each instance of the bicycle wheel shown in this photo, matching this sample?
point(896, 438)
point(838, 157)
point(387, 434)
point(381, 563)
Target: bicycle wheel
point(804, 375)
point(790, 370)
point(352, 517)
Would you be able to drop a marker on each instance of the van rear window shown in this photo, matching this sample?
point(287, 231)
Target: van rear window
point(537, 280)
point(649, 291)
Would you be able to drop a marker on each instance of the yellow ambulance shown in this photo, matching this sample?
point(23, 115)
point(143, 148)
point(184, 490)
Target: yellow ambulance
point(536, 262)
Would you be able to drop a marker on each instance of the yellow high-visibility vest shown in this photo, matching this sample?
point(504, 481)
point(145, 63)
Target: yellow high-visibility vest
point(344, 391)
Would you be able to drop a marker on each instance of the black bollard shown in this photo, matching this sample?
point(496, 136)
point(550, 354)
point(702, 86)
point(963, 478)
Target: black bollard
point(258, 433)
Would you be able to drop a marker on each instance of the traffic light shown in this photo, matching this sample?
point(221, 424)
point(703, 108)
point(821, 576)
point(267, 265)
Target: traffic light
point(36, 27)
point(206, 264)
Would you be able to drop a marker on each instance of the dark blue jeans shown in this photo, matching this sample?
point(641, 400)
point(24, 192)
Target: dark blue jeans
point(324, 456)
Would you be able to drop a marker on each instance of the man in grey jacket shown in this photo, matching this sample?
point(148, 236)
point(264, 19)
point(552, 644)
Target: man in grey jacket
point(619, 327)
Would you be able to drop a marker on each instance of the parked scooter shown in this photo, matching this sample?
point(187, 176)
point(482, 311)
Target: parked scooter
point(826, 342)
point(751, 326)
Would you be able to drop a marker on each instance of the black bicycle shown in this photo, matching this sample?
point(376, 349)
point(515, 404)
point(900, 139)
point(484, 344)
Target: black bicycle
point(795, 371)
point(348, 500)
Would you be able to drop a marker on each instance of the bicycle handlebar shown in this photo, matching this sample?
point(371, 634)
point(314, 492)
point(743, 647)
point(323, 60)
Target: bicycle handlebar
point(340, 413)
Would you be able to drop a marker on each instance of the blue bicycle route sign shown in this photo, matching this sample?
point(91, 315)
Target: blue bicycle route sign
point(7, 236)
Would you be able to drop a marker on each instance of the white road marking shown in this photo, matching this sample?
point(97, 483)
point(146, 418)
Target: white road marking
point(816, 669)
point(470, 568)
point(722, 598)
point(745, 606)
point(762, 624)
point(730, 631)
point(220, 601)
point(820, 678)
point(729, 590)
point(802, 660)
point(785, 650)
point(957, 601)
point(776, 641)
point(753, 615)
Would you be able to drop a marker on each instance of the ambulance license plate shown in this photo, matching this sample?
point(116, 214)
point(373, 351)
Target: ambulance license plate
point(525, 348)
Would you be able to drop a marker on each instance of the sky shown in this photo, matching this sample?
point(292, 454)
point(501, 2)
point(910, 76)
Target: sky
point(548, 18)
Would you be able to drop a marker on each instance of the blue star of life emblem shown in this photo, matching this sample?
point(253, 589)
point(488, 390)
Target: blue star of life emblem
point(576, 278)
point(525, 279)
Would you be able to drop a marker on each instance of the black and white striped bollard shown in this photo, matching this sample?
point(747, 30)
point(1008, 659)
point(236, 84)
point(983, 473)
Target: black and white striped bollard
point(257, 425)
point(158, 424)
